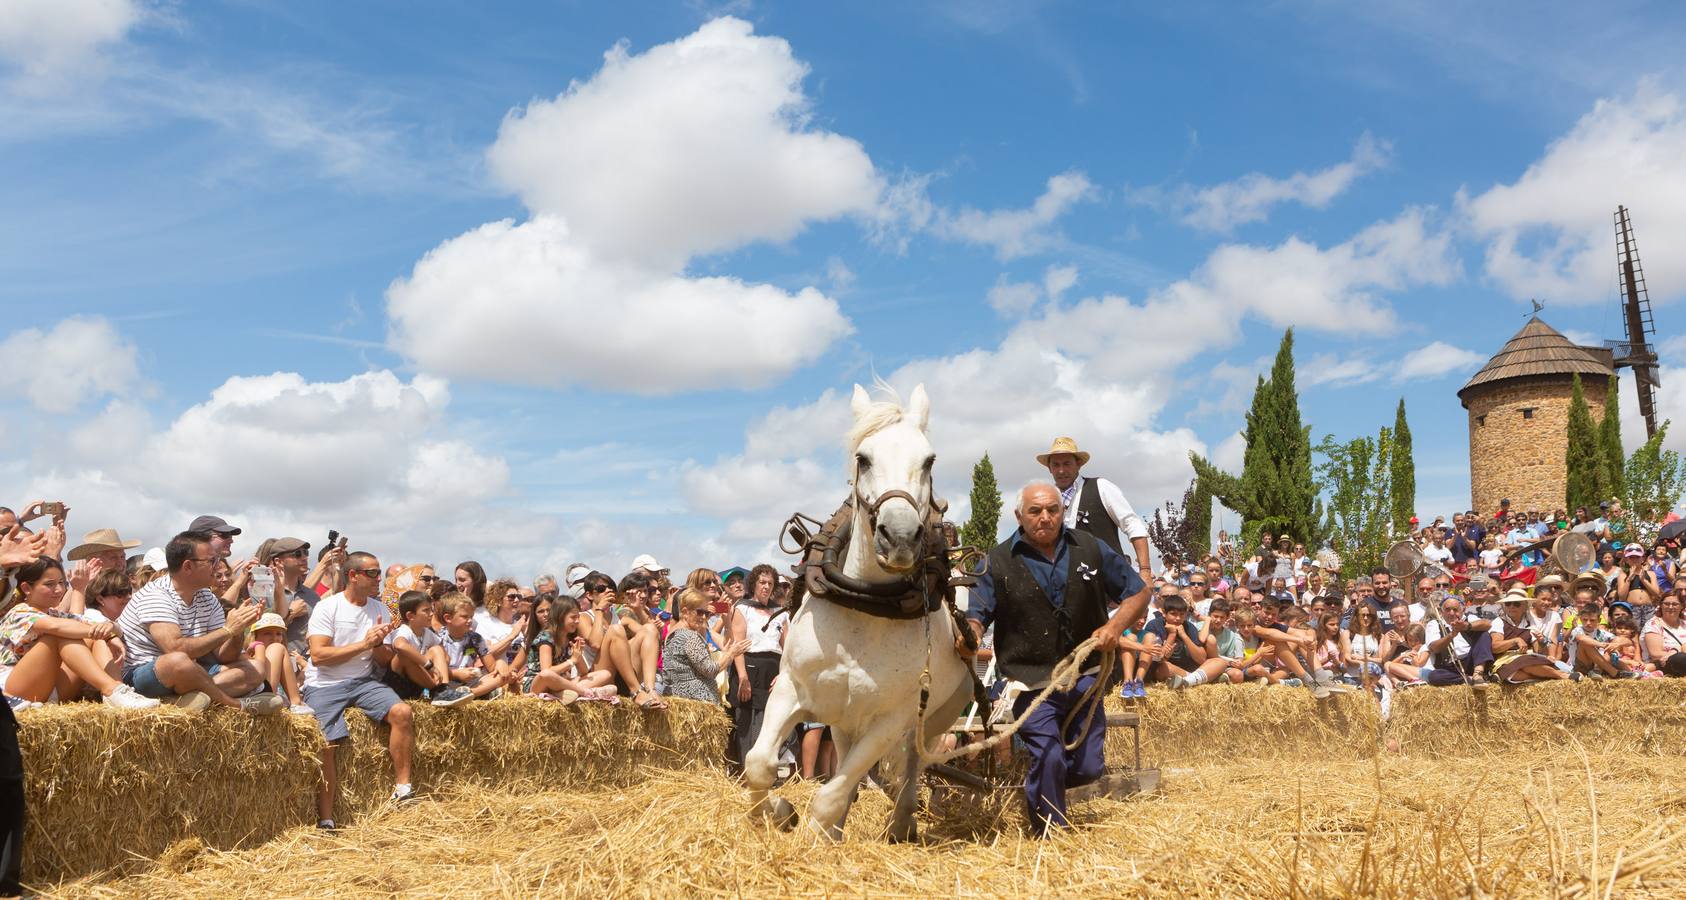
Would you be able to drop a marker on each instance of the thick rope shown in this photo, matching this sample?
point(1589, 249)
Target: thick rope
point(1064, 677)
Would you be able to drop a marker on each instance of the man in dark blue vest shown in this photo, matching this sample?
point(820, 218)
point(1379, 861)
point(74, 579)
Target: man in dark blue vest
point(1046, 590)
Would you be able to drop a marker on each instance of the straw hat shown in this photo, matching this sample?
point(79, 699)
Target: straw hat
point(1590, 580)
point(1549, 581)
point(1516, 594)
point(1064, 445)
point(100, 541)
point(269, 620)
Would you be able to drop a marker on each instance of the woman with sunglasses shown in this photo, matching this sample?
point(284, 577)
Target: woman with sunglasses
point(692, 671)
point(96, 600)
point(1517, 661)
point(1664, 637)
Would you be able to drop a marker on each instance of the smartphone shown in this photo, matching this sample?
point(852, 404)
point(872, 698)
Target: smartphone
point(343, 541)
point(53, 509)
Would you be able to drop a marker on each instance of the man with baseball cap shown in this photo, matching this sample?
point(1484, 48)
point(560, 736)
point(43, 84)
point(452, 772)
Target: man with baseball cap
point(1095, 505)
point(222, 533)
point(292, 556)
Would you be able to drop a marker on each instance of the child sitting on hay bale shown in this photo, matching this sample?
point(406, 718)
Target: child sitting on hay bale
point(471, 674)
point(42, 654)
point(419, 665)
point(555, 661)
point(279, 665)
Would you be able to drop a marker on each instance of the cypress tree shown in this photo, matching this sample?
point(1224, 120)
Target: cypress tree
point(1610, 442)
point(1198, 513)
point(980, 529)
point(1404, 473)
point(1583, 461)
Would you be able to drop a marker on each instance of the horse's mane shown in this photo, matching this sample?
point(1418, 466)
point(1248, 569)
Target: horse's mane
point(879, 416)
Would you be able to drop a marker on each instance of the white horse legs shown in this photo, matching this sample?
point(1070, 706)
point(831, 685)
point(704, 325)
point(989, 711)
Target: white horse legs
point(854, 757)
point(761, 764)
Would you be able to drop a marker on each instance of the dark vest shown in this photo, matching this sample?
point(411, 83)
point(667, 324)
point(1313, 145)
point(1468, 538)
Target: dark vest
point(1031, 636)
point(1092, 516)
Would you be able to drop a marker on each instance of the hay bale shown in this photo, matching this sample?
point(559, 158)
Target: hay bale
point(107, 788)
point(112, 790)
point(1247, 720)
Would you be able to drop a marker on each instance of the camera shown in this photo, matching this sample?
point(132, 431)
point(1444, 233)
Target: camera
point(53, 509)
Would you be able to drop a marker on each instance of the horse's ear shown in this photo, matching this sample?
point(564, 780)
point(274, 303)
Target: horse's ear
point(860, 402)
point(919, 406)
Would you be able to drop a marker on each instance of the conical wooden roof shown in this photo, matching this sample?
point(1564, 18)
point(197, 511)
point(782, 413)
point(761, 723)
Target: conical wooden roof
point(1538, 349)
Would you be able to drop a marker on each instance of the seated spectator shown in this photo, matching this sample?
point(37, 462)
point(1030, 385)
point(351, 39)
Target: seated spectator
point(608, 648)
point(1636, 584)
point(1545, 620)
point(1626, 648)
point(472, 673)
point(690, 668)
point(419, 666)
point(1361, 647)
point(1133, 656)
point(1292, 650)
point(1664, 637)
point(278, 664)
point(100, 600)
point(42, 655)
point(1326, 647)
point(1517, 659)
point(1225, 641)
point(499, 623)
point(1180, 657)
point(1407, 658)
point(1461, 652)
point(348, 646)
point(178, 640)
point(1592, 643)
point(556, 655)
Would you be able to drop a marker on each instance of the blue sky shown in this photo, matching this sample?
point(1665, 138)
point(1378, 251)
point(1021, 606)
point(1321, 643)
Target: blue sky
point(446, 277)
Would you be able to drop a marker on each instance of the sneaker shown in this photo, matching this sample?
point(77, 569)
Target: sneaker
point(1574, 676)
point(1262, 681)
point(262, 704)
point(1176, 682)
point(125, 697)
point(1290, 682)
point(18, 704)
point(1627, 673)
point(1320, 691)
point(451, 696)
point(402, 793)
point(301, 709)
point(326, 825)
point(193, 701)
point(1138, 691)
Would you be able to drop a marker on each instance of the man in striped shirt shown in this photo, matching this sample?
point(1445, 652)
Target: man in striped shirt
point(188, 647)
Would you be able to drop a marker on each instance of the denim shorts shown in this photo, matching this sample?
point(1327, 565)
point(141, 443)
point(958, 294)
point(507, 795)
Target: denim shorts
point(331, 701)
point(144, 679)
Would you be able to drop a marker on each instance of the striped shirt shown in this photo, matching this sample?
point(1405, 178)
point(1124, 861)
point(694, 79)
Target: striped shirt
point(159, 602)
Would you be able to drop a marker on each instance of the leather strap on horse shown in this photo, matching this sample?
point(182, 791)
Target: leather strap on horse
point(820, 572)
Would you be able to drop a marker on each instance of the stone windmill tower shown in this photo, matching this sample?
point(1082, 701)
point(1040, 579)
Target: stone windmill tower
point(1519, 417)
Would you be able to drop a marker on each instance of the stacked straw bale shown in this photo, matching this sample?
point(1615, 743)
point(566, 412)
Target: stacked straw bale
point(109, 790)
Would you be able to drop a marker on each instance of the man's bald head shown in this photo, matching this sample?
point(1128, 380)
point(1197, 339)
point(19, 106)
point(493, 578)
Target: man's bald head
point(1037, 492)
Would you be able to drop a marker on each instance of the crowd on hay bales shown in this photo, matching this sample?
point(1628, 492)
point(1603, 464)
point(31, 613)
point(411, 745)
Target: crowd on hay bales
point(292, 629)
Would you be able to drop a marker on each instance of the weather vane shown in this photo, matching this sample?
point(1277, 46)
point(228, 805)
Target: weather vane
point(1537, 306)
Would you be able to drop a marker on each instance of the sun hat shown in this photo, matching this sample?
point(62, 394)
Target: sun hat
point(154, 559)
point(1515, 595)
point(1064, 445)
point(1634, 550)
point(648, 563)
point(99, 541)
point(267, 621)
point(1549, 581)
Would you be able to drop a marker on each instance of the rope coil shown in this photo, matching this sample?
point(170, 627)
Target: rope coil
point(1064, 677)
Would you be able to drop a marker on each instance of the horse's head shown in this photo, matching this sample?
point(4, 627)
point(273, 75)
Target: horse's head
point(892, 475)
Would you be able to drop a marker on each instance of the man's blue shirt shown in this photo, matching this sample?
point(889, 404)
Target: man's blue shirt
point(1119, 578)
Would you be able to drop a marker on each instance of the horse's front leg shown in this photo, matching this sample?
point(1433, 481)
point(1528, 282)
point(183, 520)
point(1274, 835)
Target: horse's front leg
point(902, 826)
point(761, 764)
point(855, 755)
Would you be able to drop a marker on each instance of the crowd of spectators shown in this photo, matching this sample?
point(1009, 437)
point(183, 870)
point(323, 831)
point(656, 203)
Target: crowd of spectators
point(1489, 606)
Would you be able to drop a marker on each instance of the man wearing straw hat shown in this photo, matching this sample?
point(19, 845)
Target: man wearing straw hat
point(105, 546)
point(1095, 505)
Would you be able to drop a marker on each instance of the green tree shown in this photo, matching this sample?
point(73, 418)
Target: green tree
point(1276, 491)
point(1583, 461)
point(1610, 442)
point(1404, 473)
point(1358, 478)
point(980, 529)
point(1197, 511)
point(1655, 482)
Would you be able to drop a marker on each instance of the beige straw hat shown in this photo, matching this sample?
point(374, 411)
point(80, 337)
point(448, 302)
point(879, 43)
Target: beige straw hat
point(1064, 445)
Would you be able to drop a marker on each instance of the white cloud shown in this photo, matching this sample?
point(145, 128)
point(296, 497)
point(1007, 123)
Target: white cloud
point(1331, 369)
point(1250, 198)
point(1438, 360)
point(1671, 407)
point(693, 147)
point(1057, 280)
point(524, 303)
point(78, 360)
point(1013, 298)
point(1018, 232)
point(1551, 234)
point(50, 43)
point(838, 274)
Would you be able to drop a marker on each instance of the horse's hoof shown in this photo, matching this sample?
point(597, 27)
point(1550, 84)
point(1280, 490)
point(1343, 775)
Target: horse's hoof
point(910, 837)
point(778, 812)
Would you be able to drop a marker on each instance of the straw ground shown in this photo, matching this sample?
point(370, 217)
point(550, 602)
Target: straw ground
point(1307, 806)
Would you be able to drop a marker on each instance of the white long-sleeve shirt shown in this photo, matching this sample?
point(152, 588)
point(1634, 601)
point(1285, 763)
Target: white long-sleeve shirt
point(1122, 513)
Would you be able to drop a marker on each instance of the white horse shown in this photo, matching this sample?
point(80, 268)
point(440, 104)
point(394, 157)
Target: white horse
point(860, 673)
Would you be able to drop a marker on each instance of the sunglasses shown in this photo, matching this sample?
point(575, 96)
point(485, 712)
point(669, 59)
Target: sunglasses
point(1193, 583)
point(427, 579)
point(371, 573)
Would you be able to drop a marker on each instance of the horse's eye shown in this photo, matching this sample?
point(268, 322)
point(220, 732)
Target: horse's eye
point(861, 462)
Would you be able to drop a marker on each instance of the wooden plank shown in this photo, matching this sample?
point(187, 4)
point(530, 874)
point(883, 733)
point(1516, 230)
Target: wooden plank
point(1117, 785)
point(1122, 720)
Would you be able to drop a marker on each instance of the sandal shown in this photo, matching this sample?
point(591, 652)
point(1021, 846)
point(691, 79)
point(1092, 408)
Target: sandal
point(647, 700)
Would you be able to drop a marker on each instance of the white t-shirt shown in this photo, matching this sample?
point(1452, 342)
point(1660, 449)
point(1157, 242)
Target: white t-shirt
point(1490, 560)
point(1674, 638)
point(423, 642)
point(1460, 643)
point(1437, 554)
point(343, 623)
